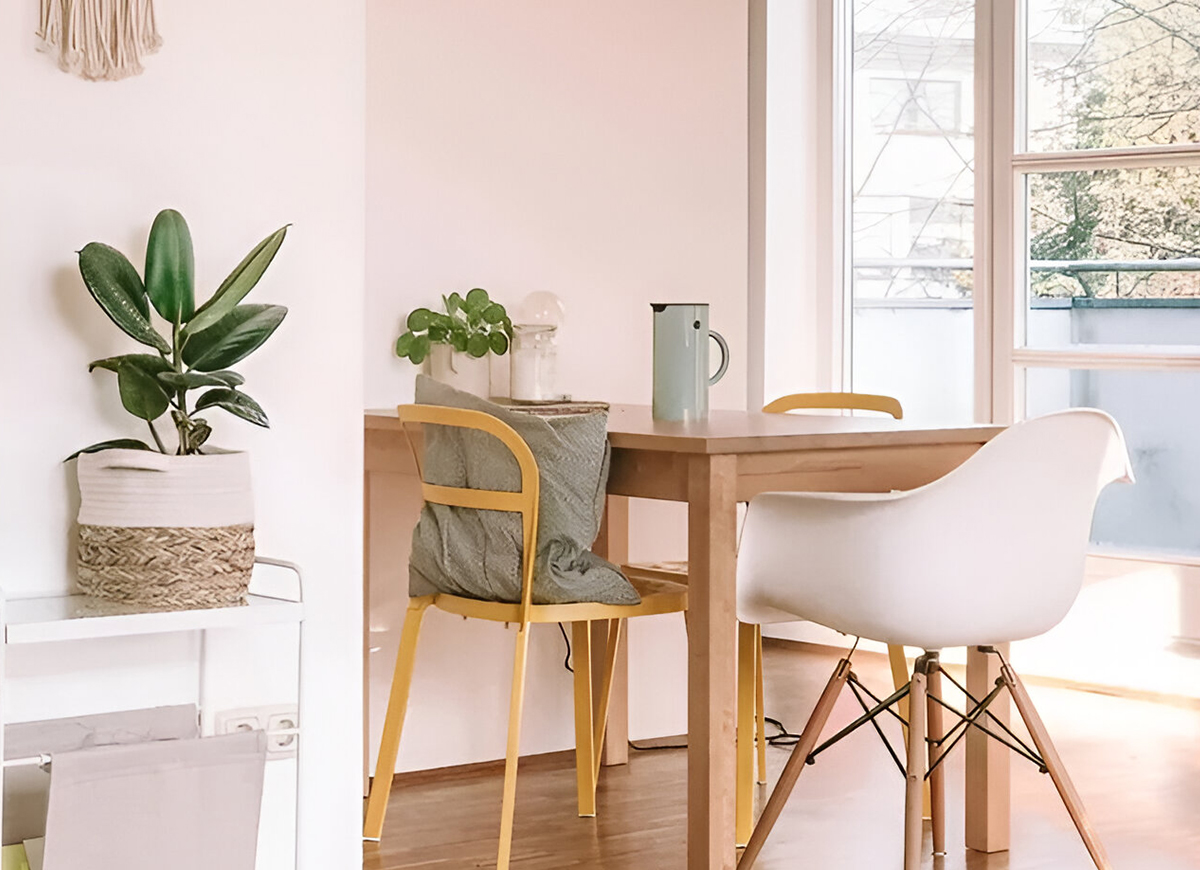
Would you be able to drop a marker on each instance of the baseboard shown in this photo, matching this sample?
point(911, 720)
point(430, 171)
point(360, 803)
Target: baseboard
point(561, 759)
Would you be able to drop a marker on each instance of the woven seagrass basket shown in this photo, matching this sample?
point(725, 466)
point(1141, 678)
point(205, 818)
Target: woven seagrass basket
point(166, 532)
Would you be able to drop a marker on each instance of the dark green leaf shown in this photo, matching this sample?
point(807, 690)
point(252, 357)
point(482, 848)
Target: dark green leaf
point(141, 393)
point(420, 349)
point(194, 380)
point(477, 345)
point(200, 432)
point(238, 404)
point(458, 339)
point(404, 344)
point(499, 343)
point(438, 333)
point(147, 362)
point(114, 444)
point(454, 302)
point(494, 313)
point(419, 319)
point(443, 320)
point(170, 267)
point(233, 338)
point(240, 282)
point(116, 286)
point(477, 300)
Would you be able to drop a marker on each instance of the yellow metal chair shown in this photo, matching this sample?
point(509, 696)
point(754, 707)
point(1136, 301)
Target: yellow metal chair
point(751, 726)
point(658, 596)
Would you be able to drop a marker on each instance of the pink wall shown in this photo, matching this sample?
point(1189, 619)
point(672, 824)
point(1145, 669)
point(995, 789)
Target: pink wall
point(597, 150)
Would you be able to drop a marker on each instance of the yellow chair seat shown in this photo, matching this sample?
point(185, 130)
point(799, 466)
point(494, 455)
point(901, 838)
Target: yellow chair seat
point(659, 595)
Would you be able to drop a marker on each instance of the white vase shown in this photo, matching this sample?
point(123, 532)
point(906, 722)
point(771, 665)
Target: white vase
point(460, 370)
point(166, 531)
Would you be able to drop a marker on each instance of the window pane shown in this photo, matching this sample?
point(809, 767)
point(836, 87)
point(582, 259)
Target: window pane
point(1112, 73)
point(913, 151)
point(1161, 512)
point(1114, 257)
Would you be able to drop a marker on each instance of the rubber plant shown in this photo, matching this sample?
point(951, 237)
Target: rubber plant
point(197, 345)
point(473, 324)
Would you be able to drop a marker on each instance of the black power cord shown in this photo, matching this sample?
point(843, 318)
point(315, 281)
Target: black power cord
point(567, 641)
point(783, 738)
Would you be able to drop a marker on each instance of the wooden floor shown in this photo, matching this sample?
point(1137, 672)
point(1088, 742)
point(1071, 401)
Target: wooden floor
point(1136, 765)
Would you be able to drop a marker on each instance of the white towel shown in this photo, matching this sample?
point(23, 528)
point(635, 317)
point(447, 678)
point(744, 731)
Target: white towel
point(183, 804)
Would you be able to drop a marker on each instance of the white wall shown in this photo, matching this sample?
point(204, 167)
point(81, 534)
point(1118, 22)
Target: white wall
point(251, 116)
point(800, 186)
point(597, 150)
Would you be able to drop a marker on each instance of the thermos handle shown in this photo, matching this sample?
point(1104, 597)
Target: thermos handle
point(724, 357)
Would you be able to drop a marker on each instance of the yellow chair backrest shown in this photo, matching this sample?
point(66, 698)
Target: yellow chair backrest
point(524, 501)
point(842, 401)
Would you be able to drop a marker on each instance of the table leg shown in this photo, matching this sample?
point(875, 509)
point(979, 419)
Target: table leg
point(712, 654)
point(613, 544)
point(987, 804)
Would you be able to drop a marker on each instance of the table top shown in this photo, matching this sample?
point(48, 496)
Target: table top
point(633, 427)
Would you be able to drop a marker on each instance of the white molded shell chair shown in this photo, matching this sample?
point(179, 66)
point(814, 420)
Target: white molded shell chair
point(991, 553)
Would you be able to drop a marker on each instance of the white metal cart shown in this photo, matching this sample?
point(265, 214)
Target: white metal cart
point(78, 617)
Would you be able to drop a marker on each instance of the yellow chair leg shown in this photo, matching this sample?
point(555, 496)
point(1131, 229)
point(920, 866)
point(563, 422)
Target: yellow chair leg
point(393, 723)
point(585, 751)
point(512, 754)
point(745, 732)
point(615, 637)
point(760, 710)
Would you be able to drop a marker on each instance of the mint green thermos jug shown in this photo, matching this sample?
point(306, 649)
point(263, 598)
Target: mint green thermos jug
point(681, 379)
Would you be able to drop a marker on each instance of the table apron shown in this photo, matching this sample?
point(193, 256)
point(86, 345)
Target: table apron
point(664, 475)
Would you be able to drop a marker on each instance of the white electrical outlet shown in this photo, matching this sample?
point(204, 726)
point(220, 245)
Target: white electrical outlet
point(277, 721)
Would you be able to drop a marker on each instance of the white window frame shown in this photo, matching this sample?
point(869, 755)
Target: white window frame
point(999, 265)
point(1000, 32)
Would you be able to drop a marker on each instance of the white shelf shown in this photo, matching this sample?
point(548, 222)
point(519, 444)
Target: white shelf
point(80, 617)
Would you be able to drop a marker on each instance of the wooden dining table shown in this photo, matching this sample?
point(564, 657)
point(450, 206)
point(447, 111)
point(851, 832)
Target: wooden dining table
point(712, 466)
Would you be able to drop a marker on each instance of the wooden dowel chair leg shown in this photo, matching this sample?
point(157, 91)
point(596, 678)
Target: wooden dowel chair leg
point(915, 769)
point(760, 710)
point(745, 732)
point(393, 723)
point(513, 752)
point(795, 764)
point(1054, 766)
point(899, 667)
point(586, 751)
point(937, 781)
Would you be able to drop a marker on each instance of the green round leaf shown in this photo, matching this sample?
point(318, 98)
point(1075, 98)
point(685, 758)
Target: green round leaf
point(458, 339)
point(477, 300)
point(494, 313)
point(454, 302)
point(404, 344)
point(419, 319)
point(438, 333)
point(499, 343)
point(477, 345)
point(420, 349)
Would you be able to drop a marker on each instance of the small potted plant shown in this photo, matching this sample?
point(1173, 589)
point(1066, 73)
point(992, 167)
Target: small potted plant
point(455, 343)
point(172, 525)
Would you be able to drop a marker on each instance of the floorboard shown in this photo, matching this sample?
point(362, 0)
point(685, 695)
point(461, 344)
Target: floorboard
point(1136, 765)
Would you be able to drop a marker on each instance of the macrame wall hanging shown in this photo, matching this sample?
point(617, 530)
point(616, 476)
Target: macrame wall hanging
point(100, 40)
